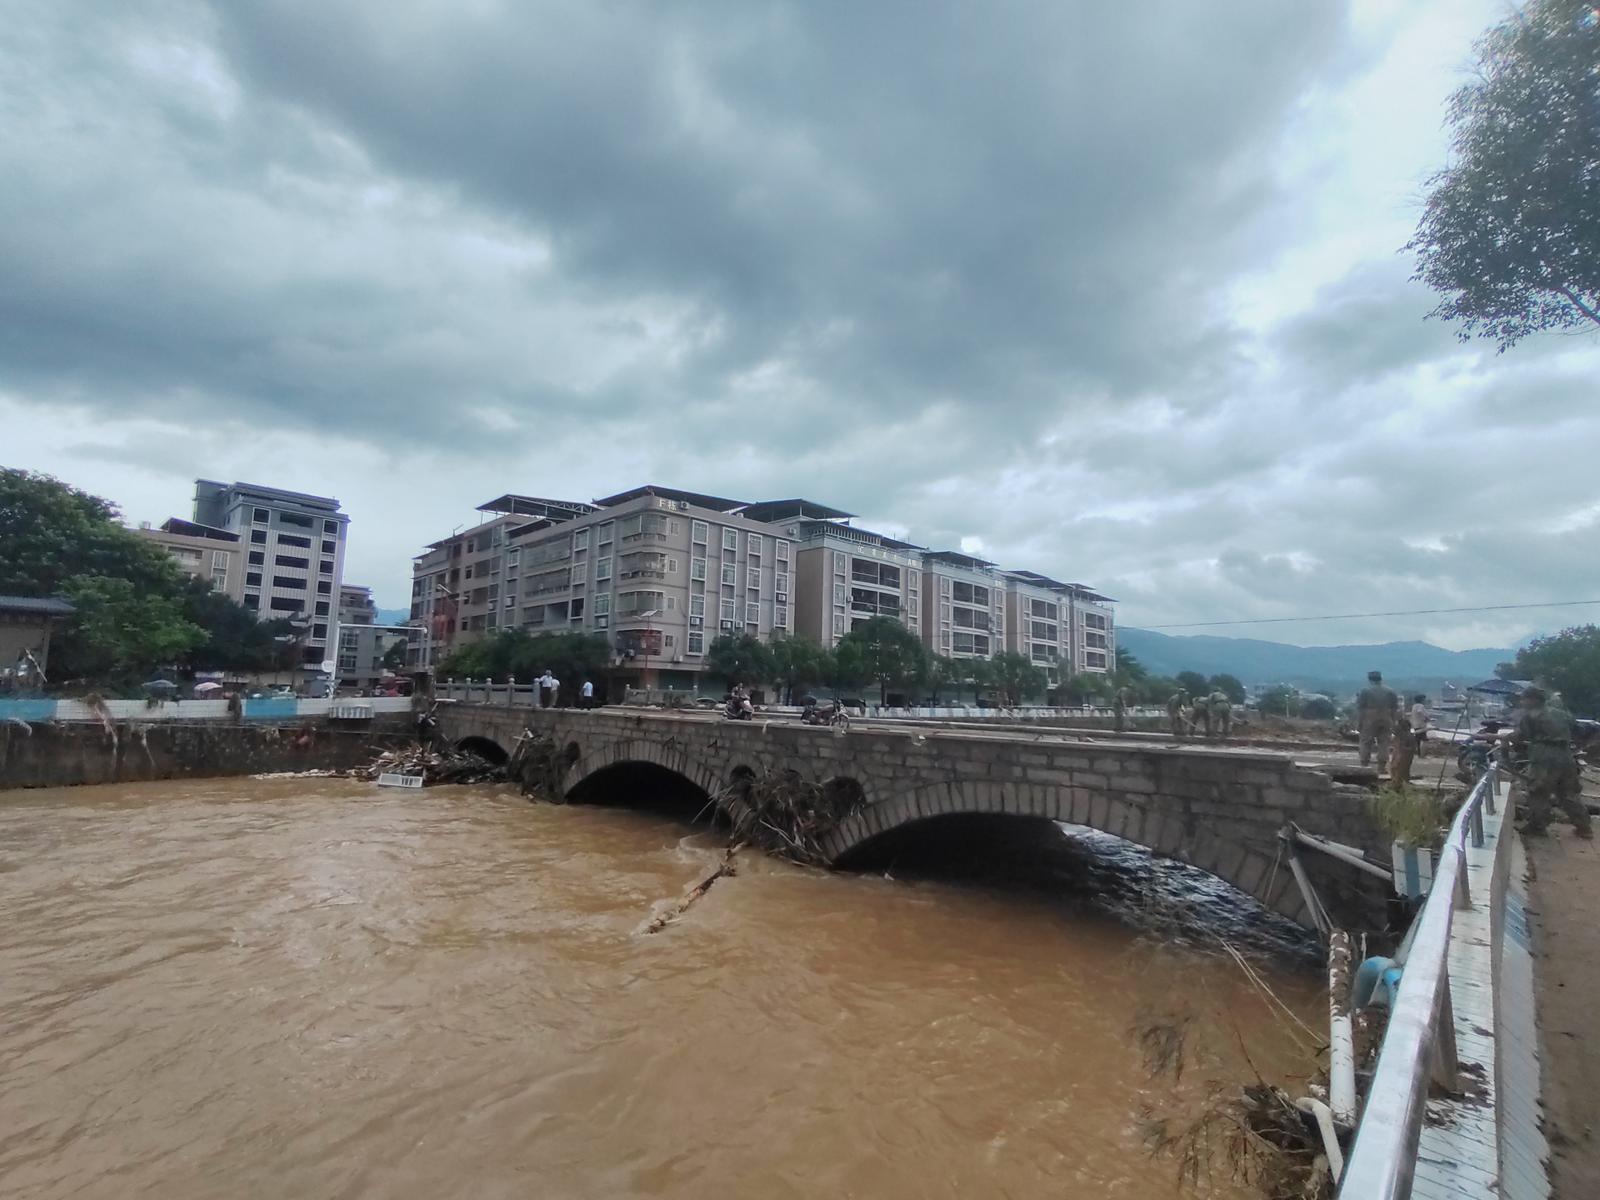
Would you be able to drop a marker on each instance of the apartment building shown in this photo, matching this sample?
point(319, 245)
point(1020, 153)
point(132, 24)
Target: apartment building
point(964, 614)
point(363, 643)
point(214, 555)
point(659, 571)
point(845, 575)
point(294, 545)
point(662, 572)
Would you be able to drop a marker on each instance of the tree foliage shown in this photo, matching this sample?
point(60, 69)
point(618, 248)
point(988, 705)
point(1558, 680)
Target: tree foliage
point(890, 654)
point(571, 657)
point(740, 658)
point(1568, 662)
point(798, 663)
point(1510, 233)
point(1195, 683)
point(1130, 672)
point(1087, 687)
point(52, 533)
point(1279, 700)
point(1015, 676)
point(121, 633)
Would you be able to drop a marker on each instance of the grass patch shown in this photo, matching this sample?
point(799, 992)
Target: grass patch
point(1409, 815)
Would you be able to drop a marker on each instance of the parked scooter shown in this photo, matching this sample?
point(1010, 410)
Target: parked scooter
point(829, 713)
point(738, 706)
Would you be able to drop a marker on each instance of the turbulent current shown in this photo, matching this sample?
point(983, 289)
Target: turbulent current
point(318, 988)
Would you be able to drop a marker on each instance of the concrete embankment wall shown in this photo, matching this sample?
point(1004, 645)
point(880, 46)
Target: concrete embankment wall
point(52, 754)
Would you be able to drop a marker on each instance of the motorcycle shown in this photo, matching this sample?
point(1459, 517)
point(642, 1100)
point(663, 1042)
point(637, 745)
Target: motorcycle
point(831, 714)
point(738, 708)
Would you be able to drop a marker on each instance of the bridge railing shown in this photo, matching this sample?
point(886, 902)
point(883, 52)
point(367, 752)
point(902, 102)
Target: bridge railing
point(1419, 1045)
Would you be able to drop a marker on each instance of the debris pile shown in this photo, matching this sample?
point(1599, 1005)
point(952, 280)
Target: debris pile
point(434, 765)
point(786, 814)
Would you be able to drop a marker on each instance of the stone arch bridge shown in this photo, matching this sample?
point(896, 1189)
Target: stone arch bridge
point(1220, 810)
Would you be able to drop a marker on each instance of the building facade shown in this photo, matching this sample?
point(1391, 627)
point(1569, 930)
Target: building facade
point(294, 545)
point(661, 573)
point(363, 643)
point(214, 555)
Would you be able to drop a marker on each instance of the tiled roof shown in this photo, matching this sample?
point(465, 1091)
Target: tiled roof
point(49, 606)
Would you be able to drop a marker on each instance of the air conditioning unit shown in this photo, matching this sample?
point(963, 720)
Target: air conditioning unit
point(677, 658)
point(696, 622)
point(683, 506)
point(727, 625)
point(783, 597)
point(601, 622)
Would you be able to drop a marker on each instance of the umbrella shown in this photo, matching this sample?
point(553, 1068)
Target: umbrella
point(160, 685)
point(208, 686)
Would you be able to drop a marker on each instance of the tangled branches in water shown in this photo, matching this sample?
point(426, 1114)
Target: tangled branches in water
point(786, 814)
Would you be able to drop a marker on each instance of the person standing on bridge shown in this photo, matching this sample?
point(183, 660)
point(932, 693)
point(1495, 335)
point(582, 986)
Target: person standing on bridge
point(1376, 709)
point(586, 694)
point(1219, 714)
point(1120, 704)
point(1545, 732)
point(1177, 712)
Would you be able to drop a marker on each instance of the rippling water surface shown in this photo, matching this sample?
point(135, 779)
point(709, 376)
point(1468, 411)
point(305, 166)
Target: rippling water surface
point(316, 988)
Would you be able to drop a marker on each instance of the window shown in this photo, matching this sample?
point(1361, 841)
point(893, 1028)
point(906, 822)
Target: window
point(578, 573)
point(291, 583)
point(1041, 653)
point(838, 563)
point(727, 610)
point(324, 588)
point(1042, 631)
point(219, 579)
point(670, 641)
point(728, 574)
point(513, 557)
point(330, 547)
point(780, 617)
point(602, 604)
point(730, 539)
point(291, 560)
point(257, 558)
point(1093, 621)
point(252, 601)
point(258, 537)
point(752, 542)
point(970, 643)
point(782, 585)
point(752, 614)
point(580, 540)
point(320, 632)
point(298, 520)
point(697, 642)
point(602, 569)
point(325, 567)
point(286, 604)
point(672, 604)
point(219, 560)
point(510, 601)
point(494, 593)
point(577, 608)
point(697, 568)
point(838, 624)
point(1097, 640)
point(781, 550)
point(971, 593)
point(331, 528)
point(838, 593)
point(322, 608)
point(699, 531)
point(752, 578)
point(672, 565)
point(259, 516)
point(1043, 608)
point(697, 606)
point(497, 535)
point(604, 535)
point(1093, 658)
point(252, 579)
point(290, 539)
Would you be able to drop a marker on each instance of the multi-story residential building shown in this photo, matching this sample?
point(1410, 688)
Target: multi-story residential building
point(964, 605)
point(663, 572)
point(363, 642)
point(294, 547)
point(659, 571)
point(214, 555)
point(843, 575)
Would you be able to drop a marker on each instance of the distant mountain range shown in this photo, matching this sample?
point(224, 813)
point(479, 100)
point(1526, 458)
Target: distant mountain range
point(1255, 661)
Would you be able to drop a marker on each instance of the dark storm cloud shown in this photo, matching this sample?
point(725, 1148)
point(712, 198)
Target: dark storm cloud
point(1002, 207)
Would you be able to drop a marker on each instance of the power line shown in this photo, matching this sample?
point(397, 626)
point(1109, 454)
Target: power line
point(1404, 612)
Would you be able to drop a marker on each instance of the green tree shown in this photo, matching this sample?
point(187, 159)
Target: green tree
point(1509, 233)
point(1196, 683)
point(1318, 708)
point(1015, 676)
point(51, 534)
point(739, 658)
point(1229, 686)
point(121, 633)
point(234, 639)
point(1130, 672)
point(394, 658)
point(797, 663)
point(1569, 662)
point(1157, 689)
point(571, 657)
point(890, 654)
point(1088, 687)
point(942, 672)
point(1280, 700)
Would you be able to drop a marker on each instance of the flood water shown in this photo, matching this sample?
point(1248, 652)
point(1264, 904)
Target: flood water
point(319, 988)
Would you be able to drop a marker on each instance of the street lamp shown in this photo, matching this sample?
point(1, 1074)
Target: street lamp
point(648, 636)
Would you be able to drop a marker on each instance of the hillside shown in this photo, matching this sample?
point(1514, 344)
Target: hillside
point(1256, 661)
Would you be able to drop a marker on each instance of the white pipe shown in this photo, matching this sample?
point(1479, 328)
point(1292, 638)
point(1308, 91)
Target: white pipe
point(1330, 1135)
point(1341, 1052)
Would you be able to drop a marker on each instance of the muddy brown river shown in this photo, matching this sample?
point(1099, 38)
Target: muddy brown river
point(319, 988)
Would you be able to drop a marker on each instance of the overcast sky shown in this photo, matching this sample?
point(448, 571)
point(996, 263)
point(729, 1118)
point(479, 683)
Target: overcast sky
point(1108, 291)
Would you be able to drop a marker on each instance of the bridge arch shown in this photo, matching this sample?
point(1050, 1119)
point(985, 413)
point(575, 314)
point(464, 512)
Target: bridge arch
point(1133, 818)
point(486, 748)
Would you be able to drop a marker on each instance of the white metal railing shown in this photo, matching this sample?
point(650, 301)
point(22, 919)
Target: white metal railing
point(1419, 1045)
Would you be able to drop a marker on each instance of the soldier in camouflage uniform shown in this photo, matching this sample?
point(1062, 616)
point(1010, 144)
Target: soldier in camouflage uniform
point(1120, 704)
point(1377, 707)
point(1177, 712)
point(1546, 734)
point(1219, 714)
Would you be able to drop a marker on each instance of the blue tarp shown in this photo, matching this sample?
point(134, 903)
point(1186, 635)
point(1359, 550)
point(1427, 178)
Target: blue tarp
point(271, 708)
point(27, 710)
